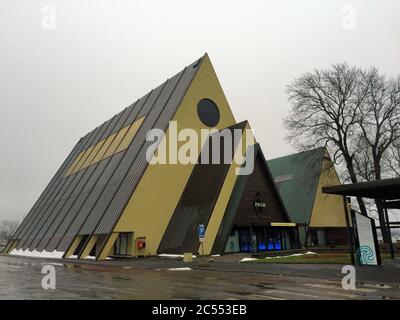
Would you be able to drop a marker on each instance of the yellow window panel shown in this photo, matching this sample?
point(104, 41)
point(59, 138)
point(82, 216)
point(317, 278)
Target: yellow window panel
point(116, 142)
point(83, 159)
point(130, 135)
point(104, 148)
point(111, 150)
point(89, 159)
point(73, 165)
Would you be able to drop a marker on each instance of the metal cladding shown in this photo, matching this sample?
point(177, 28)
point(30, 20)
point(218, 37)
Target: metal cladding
point(296, 177)
point(90, 199)
point(105, 189)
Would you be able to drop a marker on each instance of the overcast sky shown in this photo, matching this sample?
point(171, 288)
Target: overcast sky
point(59, 78)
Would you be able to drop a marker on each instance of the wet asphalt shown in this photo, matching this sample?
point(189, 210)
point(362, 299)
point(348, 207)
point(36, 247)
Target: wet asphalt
point(154, 278)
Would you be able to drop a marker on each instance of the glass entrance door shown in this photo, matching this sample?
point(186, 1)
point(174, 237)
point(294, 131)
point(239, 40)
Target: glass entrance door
point(245, 240)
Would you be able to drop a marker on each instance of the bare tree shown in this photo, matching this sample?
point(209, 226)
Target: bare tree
point(356, 114)
point(7, 229)
point(393, 161)
point(379, 121)
point(324, 112)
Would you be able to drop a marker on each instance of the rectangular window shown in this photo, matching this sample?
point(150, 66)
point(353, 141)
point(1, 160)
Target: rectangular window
point(121, 246)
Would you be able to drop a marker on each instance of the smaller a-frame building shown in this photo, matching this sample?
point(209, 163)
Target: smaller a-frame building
point(299, 178)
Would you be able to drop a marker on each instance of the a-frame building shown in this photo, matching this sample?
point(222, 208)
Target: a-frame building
point(107, 200)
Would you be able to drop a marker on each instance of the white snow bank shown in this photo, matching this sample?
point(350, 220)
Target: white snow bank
point(278, 257)
point(37, 254)
point(248, 259)
point(90, 257)
point(179, 269)
point(74, 256)
point(215, 255)
point(172, 256)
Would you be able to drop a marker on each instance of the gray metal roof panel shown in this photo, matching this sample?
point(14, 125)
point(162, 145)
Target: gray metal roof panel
point(99, 193)
point(138, 166)
point(131, 154)
point(102, 184)
point(59, 214)
point(75, 151)
point(69, 185)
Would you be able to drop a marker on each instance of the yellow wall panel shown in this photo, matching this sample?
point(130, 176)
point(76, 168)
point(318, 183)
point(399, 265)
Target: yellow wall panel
point(151, 206)
point(130, 135)
point(104, 148)
point(328, 210)
point(74, 164)
point(83, 159)
point(92, 155)
point(116, 142)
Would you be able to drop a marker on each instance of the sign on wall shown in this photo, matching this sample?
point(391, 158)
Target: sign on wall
point(201, 230)
point(367, 250)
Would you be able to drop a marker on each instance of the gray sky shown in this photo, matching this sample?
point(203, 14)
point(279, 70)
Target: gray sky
point(57, 84)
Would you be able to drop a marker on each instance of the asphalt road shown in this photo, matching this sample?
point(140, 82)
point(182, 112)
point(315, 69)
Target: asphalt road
point(21, 278)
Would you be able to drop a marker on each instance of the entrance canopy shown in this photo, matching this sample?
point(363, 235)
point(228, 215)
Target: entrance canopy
point(388, 189)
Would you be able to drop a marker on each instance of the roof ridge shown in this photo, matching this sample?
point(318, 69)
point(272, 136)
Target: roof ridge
point(298, 153)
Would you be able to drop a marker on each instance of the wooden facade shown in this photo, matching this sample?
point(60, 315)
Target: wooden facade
point(259, 188)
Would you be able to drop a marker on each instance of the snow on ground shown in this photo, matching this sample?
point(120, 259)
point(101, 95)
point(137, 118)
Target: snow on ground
point(179, 269)
point(37, 254)
point(278, 257)
point(53, 263)
point(74, 256)
point(172, 256)
point(90, 258)
point(248, 259)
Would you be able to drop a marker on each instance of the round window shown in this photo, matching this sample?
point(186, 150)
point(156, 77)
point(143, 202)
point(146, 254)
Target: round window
point(208, 112)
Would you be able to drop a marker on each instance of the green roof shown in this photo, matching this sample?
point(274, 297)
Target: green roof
point(296, 177)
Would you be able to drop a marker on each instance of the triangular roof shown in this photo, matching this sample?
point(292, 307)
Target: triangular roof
point(236, 199)
point(198, 199)
point(200, 196)
point(296, 177)
point(91, 199)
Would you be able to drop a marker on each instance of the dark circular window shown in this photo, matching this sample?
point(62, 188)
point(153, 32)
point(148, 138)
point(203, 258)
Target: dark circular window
point(208, 112)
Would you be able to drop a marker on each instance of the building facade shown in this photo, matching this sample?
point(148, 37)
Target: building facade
point(109, 199)
point(299, 178)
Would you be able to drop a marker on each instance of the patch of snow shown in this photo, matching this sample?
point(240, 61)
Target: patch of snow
point(179, 269)
point(74, 256)
point(37, 254)
point(248, 259)
point(109, 258)
point(172, 256)
point(279, 257)
point(53, 264)
point(291, 255)
point(215, 255)
point(90, 257)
